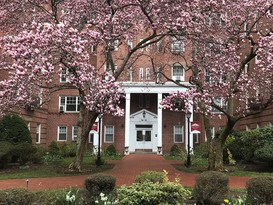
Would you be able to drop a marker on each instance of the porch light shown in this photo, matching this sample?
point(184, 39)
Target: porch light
point(144, 114)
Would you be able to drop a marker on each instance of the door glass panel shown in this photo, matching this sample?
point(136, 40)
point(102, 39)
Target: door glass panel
point(148, 136)
point(139, 136)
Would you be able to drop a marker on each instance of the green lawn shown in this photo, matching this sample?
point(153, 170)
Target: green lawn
point(53, 170)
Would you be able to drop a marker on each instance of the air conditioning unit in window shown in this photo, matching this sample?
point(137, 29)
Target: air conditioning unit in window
point(61, 108)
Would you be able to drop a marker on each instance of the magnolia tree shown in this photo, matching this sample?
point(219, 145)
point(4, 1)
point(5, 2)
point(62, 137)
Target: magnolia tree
point(40, 39)
point(231, 67)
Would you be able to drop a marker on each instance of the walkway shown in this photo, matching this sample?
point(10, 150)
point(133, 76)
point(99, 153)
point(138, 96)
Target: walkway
point(124, 171)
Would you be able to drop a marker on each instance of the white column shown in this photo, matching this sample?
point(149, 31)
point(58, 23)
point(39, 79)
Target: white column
point(127, 122)
point(159, 124)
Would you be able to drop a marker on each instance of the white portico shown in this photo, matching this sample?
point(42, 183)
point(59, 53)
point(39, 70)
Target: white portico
point(143, 127)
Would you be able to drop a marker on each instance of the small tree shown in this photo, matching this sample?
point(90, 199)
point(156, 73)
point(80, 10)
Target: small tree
point(14, 129)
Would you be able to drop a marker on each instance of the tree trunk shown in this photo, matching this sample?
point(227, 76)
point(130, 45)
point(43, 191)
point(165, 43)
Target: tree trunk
point(85, 122)
point(216, 147)
point(216, 156)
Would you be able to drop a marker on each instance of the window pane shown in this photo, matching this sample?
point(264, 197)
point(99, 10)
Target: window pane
point(62, 133)
point(178, 133)
point(109, 133)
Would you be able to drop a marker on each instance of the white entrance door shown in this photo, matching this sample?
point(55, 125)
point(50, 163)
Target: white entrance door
point(144, 137)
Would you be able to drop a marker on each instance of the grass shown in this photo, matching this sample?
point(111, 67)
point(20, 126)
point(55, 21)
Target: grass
point(200, 165)
point(54, 170)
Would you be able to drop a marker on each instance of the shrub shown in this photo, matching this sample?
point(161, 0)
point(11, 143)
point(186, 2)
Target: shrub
point(23, 152)
point(39, 154)
point(259, 190)
point(5, 153)
point(151, 176)
point(175, 151)
point(68, 150)
point(100, 183)
point(265, 153)
point(201, 150)
point(53, 148)
point(111, 150)
point(58, 197)
point(211, 188)
point(15, 197)
point(149, 193)
point(14, 129)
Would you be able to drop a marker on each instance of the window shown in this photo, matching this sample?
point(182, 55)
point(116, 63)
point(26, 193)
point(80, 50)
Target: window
point(64, 75)
point(69, 104)
point(62, 133)
point(177, 45)
point(148, 46)
point(159, 75)
point(195, 138)
point(74, 133)
point(140, 73)
point(130, 44)
point(178, 72)
point(91, 137)
point(93, 48)
point(245, 28)
point(109, 134)
point(159, 46)
point(178, 134)
point(38, 133)
point(221, 103)
point(116, 45)
point(141, 44)
point(148, 77)
point(130, 74)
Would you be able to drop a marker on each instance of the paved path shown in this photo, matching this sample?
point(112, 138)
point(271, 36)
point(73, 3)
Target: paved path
point(125, 171)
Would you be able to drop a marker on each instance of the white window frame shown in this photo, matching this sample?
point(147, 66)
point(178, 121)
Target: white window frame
point(38, 134)
point(63, 103)
point(148, 75)
point(64, 76)
point(89, 137)
point(177, 75)
point(93, 48)
point(141, 73)
point(59, 132)
point(159, 46)
point(197, 138)
point(178, 130)
point(106, 132)
point(130, 44)
point(130, 74)
point(148, 46)
point(141, 49)
point(74, 136)
point(220, 103)
point(116, 45)
point(178, 45)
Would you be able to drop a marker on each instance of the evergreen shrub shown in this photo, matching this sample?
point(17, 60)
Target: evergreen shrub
point(149, 193)
point(100, 183)
point(23, 152)
point(53, 148)
point(68, 150)
point(152, 176)
point(111, 150)
point(260, 190)
point(15, 197)
point(14, 129)
point(211, 188)
point(5, 153)
point(175, 150)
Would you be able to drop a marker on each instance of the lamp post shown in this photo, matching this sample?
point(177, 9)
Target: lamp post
point(98, 161)
point(188, 163)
